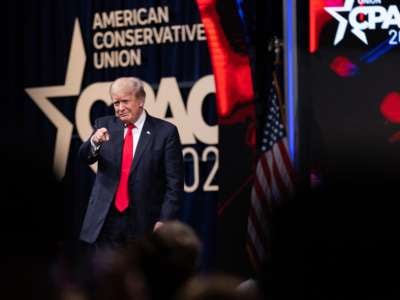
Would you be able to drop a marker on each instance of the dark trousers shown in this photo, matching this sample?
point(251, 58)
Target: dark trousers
point(117, 229)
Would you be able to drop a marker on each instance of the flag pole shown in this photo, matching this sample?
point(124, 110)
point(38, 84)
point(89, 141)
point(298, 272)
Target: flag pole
point(275, 45)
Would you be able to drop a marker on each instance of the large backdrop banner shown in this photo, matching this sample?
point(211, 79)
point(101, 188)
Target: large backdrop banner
point(73, 50)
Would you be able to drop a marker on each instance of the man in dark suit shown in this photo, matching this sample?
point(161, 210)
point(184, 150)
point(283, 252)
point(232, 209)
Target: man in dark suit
point(131, 197)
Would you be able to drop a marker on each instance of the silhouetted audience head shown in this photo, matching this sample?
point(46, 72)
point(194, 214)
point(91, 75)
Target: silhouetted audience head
point(212, 287)
point(115, 278)
point(182, 242)
point(166, 258)
point(150, 268)
point(250, 289)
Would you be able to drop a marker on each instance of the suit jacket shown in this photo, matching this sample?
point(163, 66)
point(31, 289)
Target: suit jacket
point(155, 179)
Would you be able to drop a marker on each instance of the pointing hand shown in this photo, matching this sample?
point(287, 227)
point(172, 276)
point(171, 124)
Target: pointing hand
point(100, 136)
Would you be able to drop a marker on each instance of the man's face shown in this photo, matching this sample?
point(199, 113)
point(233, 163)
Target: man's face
point(127, 107)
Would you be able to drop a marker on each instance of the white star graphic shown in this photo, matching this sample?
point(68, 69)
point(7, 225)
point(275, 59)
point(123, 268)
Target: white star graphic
point(72, 86)
point(341, 30)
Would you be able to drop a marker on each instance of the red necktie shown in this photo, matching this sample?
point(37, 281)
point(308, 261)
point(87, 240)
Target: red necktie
point(122, 195)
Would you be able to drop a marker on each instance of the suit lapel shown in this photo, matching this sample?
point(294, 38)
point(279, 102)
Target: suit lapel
point(144, 140)
point(117, 139)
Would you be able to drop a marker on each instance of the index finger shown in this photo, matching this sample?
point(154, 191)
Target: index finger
point(106, 135)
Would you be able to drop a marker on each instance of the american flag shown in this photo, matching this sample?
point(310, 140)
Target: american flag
point(273, 182)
